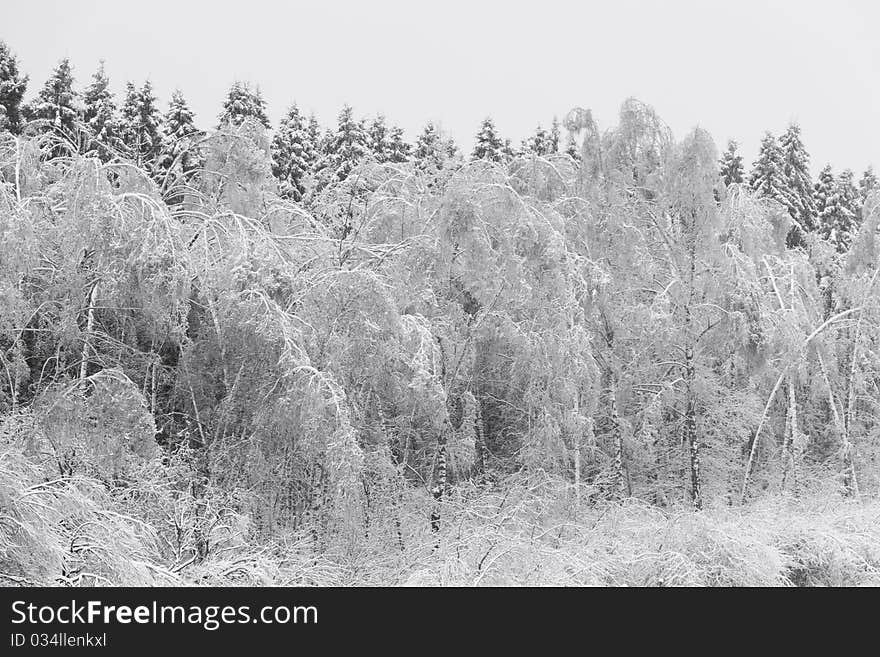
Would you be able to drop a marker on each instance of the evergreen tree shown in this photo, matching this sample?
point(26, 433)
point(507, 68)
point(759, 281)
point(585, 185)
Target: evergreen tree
point(180, 154)
point(540, 143)
point(398, 148)
point(315, 140)
point(867, 184)
point(824, 192)
point(242, 103)
point(571, 148)
point(850, 198)
point(553, 137)
point(835, 219)
point(798, 188)
point(141, 126)
point(378, 139)
point(100, 114)
point(57, 101)
point(429, 151)
point(346, 147)
point(294, 154)
point(489, 145)
point(731, 164)
point(12, 88)
point(767, 177)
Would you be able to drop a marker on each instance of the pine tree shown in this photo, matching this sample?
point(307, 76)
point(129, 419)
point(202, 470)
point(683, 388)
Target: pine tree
point(141, 126)
point(571, 148)
point(346, 147)
point(57, 101)
point(553, 137)
point(867, 183)
point(398, 148)
point(12, 89)
point(242, 103)
point(850, 198)
point(767, 177)
point(489, 145)
point(540, 143)
point(731, 164)
point(100, 114)
point(834, 218)
point(823, 192)
point(798, 187)
point(180, 155)
point(315, 141)
point(294, 153)
point(378, 139)
point(429, 152)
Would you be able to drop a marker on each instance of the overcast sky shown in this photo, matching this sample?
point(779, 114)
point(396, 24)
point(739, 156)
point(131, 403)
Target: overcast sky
point(736, 68)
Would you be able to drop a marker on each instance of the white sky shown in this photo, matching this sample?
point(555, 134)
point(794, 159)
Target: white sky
point(735, 67)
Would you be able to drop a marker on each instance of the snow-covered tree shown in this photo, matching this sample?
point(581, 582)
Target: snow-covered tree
point(835, 219)
point(57, 102)
point(141, 126)
point(849, 196)
point(798, 187)
point(100, 114)
point(378, 138)
point(180, 155)
point(294, 154)
point(540, 143)
point(571, 148)
point(767, 178)
point(346, 147)
point(867, 183)
point(489, 145)
point(398, 148)
point(429, 152)
point(731, 164)
point(12, 88)
point(242, 103)
point(553, 137)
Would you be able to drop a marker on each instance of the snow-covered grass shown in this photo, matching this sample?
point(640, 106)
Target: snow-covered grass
point(523, 531)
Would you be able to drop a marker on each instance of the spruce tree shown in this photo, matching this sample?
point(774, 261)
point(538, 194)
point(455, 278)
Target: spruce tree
point(141, 126)
point(429, 152)
point(540, 143)
point(798, 185)
point(12, 88)
point(731, 165)
point(57, 101)
point(346, 147)
point(378, 139)
point(100, 115)
point(293, 154)
point(571, 148)
point(850, 198)
point(180, 154)
point(553, 137)
point(243, 103)
point(398, 148)
point(835, 220)
point(315, 140)
point(867, 184)
point(767, 177)
point(489, 145)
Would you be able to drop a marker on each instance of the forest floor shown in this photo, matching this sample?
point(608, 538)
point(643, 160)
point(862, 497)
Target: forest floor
point(537, 535)
point(532, 531)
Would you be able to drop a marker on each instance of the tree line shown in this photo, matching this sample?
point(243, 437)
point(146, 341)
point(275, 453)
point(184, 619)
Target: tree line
point(304, 154)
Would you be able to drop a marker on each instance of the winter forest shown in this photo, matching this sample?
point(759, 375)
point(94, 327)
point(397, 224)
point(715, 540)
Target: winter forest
point(237, 353)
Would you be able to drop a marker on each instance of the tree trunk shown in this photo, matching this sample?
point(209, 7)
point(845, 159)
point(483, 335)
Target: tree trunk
point(90, 327)
point(440, 481)
point(689, 430)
